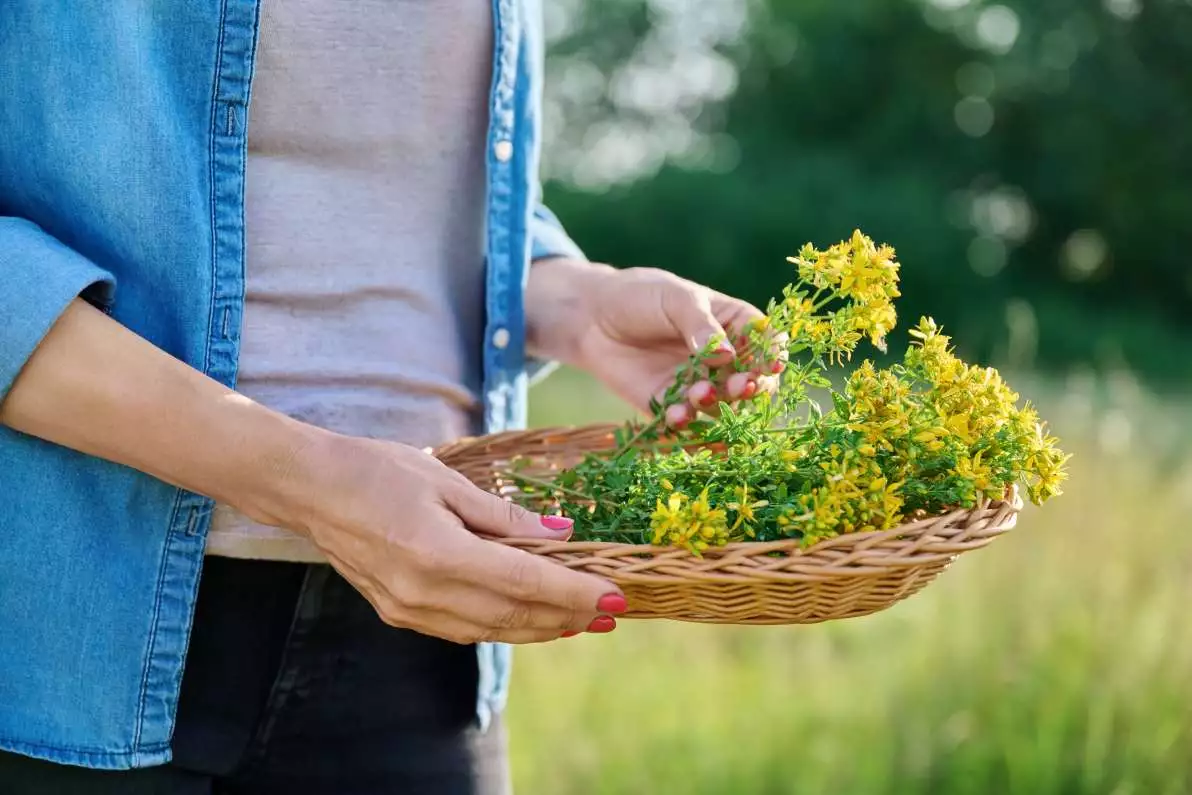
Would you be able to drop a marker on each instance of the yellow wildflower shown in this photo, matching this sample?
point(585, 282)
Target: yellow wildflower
point(959, 425)
point(977, 473)
point(669, 518)
point(745, 509)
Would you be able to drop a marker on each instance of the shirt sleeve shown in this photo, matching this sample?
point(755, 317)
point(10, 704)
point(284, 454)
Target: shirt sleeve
point(548, 238)
point(40, 277)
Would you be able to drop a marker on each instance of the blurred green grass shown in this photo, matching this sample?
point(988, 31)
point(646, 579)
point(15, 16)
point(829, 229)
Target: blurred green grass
point(1056, 662)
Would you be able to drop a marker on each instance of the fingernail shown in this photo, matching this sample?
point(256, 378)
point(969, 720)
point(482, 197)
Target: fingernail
point(702, 393)
point(737, 384)
point(612, 603)
point(777, 367)
point(571, 633)
point(557, 523)
point(602, 624)
point(726, 347)
point(677, 415)
point(749, 390)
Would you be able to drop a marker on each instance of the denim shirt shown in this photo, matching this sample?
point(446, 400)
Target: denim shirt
point(122, 156)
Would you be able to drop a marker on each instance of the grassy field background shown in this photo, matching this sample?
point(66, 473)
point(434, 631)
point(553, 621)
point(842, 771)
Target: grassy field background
point(1056, 662)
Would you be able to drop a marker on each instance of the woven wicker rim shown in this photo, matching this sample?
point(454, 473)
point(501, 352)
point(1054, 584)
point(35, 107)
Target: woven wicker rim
point(770, 582)
point(925, 540)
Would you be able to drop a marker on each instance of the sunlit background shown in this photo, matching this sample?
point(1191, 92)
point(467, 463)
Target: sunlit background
point(1032, 164)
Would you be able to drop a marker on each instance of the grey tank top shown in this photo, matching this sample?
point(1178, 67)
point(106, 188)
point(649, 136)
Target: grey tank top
point(364, 218)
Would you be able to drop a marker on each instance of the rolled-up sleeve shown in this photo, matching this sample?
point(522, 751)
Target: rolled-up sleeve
point(548, 238)
point(39, 277)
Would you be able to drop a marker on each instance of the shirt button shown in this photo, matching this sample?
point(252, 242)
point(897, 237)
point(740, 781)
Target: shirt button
point(501, 339)
point(503, 150)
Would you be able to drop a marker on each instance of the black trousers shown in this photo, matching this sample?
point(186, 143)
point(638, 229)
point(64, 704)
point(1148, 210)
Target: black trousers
point(293, 685)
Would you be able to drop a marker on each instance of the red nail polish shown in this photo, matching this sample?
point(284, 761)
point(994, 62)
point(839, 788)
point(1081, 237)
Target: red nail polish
point(709, 393)
point(557, 523)
point(602, 624)
point(749, 391)
point(677, 415)
point(777, 367)
point(571, 633)
point(612, 603)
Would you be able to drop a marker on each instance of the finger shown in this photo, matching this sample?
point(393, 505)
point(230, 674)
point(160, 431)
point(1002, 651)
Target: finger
point(523, 577)
point(443, 606)
point(741, 386)
point(733, 313)
point(702, 395)
point(481, 605)
point(767, 385)
point(689, 311)
point(778, 352)
point(486, 513)
point(771, 360)
point(458, 630)
point(724, 354)
point(679, 415)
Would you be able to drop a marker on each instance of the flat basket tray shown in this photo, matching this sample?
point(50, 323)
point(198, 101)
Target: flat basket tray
point(773, 582)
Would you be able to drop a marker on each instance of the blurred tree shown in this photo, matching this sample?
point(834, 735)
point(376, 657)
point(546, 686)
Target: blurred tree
point(1030, 160)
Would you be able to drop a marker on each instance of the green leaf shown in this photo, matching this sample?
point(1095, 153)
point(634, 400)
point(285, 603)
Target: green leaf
point(840, 403)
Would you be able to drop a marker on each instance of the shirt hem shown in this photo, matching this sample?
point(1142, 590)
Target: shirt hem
point(94, 758)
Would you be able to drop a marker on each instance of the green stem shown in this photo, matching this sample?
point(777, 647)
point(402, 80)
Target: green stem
point(546, 484)
point(648, 427)
point(818, 305)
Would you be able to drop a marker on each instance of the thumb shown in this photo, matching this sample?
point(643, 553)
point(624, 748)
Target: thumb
point(486, 514)
point(690, 313)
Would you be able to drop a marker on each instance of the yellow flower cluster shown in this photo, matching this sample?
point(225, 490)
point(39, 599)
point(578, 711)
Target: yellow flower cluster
point(857, 269)
point(936, 407)
point(855, 497)
point(684, 522)
point(864, 276)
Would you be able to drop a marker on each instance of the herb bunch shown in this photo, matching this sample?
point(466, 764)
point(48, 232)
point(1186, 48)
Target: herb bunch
point(919, 438)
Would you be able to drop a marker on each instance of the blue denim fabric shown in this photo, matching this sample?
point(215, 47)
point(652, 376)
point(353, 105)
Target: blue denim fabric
point(122, 153)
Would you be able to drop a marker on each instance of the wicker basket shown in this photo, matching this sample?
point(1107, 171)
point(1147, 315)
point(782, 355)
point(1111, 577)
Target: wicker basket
point(774, 582)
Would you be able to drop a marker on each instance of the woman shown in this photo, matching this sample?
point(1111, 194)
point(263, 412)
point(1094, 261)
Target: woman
point(369, 266)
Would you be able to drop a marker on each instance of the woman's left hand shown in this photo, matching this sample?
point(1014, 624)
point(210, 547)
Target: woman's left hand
point(632, 328)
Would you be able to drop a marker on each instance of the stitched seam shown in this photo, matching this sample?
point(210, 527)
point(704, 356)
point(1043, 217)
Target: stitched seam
point(219, 54)
point(133, 749)
point(283, 687)
point(152, 642)
point(141, 701)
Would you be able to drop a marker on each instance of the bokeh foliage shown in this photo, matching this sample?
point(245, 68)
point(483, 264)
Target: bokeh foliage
point(1029, 159)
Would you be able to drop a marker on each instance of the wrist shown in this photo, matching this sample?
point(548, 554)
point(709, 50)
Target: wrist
point(275, 482)
point(558, 306)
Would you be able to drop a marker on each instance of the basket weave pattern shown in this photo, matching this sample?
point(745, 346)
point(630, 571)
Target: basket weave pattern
point(774, 582)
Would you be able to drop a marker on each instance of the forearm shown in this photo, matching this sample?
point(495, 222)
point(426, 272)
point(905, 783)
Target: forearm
point(94, 386)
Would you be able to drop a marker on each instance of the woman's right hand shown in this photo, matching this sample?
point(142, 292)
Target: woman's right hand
point(393, 520)
point(401, 527)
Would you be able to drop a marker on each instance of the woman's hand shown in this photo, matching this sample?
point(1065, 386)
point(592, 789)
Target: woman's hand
point(393, 520)
point(631, 328)
point(401, 527)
